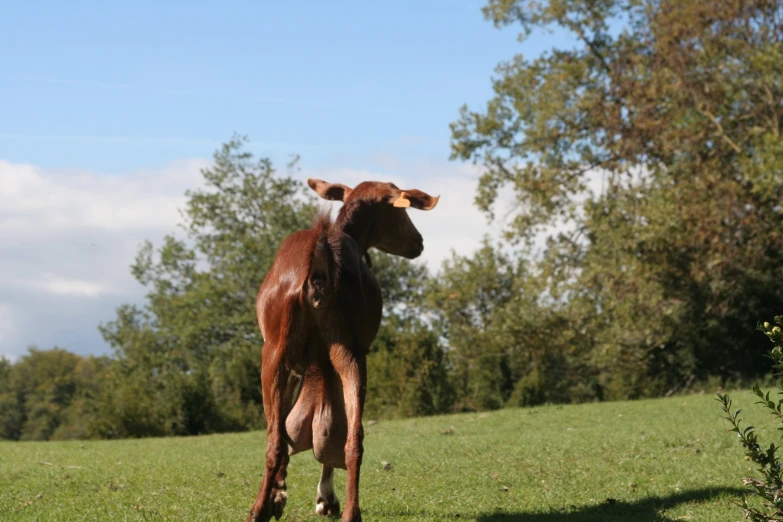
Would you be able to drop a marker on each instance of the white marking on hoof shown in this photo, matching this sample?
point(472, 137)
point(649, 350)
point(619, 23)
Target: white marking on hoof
point(320, 508)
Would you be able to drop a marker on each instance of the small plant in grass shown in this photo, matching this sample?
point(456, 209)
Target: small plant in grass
point(768, 489)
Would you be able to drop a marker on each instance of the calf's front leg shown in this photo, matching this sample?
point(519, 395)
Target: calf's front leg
point(326, 503)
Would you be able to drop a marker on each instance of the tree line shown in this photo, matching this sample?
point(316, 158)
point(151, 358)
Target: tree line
point(650, 285)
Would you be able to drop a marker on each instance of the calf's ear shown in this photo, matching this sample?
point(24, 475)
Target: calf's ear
point(416, 199)
point(330, 191)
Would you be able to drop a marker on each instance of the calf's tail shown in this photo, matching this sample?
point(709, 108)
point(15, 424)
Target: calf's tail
point(322, 280)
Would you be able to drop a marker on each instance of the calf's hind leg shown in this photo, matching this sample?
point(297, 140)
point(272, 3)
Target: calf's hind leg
point(352, 370)
point(272, 494)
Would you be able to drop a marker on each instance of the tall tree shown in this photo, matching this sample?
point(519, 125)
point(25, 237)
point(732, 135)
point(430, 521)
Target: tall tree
point(193, 349)
point(408, 369)
point(508, 345)
point(673, 109)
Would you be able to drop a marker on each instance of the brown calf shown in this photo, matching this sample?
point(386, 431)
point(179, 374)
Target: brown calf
point(319, 309)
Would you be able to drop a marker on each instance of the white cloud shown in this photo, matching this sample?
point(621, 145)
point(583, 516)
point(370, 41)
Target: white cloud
point(64, 286)
point(6, 324)
point(33, 199)
point(67, 240)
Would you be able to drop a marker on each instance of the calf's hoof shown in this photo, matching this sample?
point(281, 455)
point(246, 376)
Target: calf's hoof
point(256, 517)
point(279, 498)
point(272, 508)
point(327, 507)
point(355, 516)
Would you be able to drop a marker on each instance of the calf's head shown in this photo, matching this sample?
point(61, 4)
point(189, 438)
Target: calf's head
point(383, 206)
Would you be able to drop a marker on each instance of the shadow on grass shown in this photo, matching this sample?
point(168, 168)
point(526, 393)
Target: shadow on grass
point(648, 509)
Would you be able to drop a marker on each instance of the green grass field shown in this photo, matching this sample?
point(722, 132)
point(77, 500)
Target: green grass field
point(654, 460)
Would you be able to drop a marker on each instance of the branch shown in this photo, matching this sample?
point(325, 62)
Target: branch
point(717, 124)
point(574, 26)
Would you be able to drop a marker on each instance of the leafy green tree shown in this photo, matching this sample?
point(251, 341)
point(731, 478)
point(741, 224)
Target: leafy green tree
point(510, 346)
point(649, 156)
point(49, 394)
point(11, 414)
point(81, 418)
point(408, 369)
point(187, 361)
point(45, 383)
point(468, 296)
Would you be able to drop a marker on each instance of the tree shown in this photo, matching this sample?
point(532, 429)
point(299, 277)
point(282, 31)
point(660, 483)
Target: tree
point(509, 346)
point(191, 353)
point(49, 394)
point(673, 109)
point(469, 296)
point(408, 369)
point(11, 415)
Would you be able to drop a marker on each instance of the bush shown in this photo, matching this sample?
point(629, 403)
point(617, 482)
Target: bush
point(768, 490)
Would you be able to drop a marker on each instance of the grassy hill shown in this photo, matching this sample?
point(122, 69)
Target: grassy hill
point(644, 461)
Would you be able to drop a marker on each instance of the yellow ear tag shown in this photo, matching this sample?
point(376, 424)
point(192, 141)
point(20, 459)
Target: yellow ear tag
point(402, 201)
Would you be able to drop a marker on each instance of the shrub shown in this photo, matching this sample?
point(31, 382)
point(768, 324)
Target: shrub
point(768, 490)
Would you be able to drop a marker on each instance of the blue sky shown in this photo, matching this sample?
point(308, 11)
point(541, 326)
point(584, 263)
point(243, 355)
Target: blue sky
point(109, 110)
point(113, 86)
